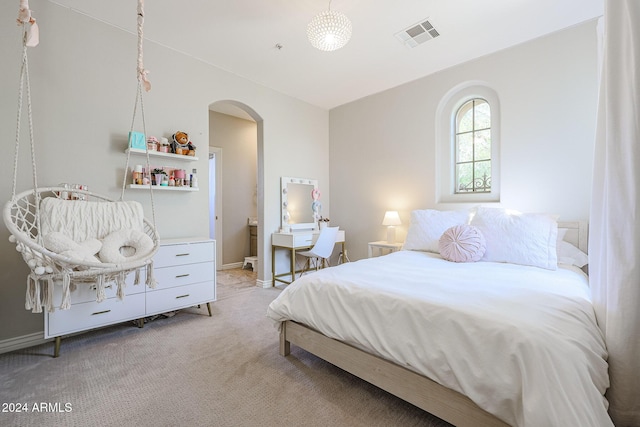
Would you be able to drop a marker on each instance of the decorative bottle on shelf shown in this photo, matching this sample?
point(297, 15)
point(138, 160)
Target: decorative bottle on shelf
point(194, 179)
point(137, 174)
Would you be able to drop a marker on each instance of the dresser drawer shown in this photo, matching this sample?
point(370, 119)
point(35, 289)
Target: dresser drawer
point(171, 299)
point(303, 240)
point(185, 253)
point(86, 292)
point(93, 314)
point(180, 275)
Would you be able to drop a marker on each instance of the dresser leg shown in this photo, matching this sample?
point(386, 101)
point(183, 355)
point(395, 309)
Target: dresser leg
point(140, 323)
point(56, 347)
point(209, 308)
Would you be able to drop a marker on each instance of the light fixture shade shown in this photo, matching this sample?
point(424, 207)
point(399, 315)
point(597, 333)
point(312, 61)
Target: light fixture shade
point(329, 30)
point(391, 218)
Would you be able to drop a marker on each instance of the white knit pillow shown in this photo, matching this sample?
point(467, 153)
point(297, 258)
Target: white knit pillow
point(89, 219)
point(462, 243)
point(125, 245)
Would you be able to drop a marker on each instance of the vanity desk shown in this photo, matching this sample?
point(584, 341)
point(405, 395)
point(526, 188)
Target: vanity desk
point(296, 240)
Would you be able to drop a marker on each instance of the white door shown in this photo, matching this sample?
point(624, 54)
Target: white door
point(215, 197)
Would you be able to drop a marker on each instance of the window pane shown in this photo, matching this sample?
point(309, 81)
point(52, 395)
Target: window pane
point(482, 180)
point(482, 114)
point(464, 177)
point(464, 118)
point(482, 149)
point(464, 148)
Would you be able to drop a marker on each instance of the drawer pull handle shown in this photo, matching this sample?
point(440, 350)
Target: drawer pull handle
point(182, 296)
point(100, 312)
point(187, 254)
point(182, 275)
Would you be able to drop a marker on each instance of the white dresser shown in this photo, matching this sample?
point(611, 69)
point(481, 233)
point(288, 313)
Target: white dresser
point(185, 273)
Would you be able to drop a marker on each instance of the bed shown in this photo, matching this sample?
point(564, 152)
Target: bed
point(489, 343)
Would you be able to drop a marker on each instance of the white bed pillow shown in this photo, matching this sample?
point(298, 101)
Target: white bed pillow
point(569, 254)
point(428, 225)
point(518, 238)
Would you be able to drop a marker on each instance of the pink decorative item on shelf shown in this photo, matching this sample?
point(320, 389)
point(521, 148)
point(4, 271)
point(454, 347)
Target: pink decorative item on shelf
point(152, 143)
point(165, 146)
point(179, 177)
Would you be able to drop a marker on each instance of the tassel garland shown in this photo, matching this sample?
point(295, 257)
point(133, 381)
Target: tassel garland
point(100, 291)
point(66, 292)
point(151, 280)
point(121, 283)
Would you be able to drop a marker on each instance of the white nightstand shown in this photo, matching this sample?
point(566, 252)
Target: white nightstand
point(382, 247)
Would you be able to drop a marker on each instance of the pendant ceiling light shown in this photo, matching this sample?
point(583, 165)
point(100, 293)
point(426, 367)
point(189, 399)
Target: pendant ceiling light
point(329, 30)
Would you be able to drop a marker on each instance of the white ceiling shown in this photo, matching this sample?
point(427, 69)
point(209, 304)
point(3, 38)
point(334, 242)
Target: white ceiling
point(240, 36)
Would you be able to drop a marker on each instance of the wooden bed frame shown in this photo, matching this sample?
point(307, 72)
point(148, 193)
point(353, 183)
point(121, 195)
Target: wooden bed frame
point(410, 386)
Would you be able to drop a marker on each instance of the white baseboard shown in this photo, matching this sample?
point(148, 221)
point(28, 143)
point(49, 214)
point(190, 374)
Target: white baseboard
point(232, 266)
point(21, 342)
point(264, 283)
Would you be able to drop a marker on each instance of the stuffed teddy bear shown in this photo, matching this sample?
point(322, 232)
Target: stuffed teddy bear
point(182, 145)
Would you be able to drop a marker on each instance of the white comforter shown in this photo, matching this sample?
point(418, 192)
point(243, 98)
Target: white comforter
point(521, 342)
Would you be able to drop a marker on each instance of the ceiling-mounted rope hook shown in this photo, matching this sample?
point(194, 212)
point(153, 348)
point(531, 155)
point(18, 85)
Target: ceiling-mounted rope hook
point(32, 33)
point(142, 73)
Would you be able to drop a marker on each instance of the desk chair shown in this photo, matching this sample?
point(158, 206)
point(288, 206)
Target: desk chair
point(321, 250)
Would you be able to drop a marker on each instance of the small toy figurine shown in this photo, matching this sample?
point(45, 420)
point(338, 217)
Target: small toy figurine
point(182, 145)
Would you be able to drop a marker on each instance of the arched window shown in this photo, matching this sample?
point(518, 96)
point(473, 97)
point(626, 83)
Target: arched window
point(467, 145)
point(472, 136)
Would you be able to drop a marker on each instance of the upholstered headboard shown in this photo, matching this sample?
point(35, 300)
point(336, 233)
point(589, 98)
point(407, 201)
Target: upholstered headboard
point(577, 234)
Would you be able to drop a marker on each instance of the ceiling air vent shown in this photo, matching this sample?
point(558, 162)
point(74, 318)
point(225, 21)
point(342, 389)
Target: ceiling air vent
point(418, 33)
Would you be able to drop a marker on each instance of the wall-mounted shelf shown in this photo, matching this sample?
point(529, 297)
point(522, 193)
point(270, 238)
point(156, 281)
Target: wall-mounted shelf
point(152, 153)
point(160, 188)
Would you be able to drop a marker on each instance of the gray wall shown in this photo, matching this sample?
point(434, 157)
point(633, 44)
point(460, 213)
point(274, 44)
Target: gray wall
point(383, 147)
point(84, 83)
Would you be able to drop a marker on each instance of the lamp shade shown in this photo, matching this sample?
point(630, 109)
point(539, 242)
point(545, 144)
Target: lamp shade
point(329, 30)
point(391, 218)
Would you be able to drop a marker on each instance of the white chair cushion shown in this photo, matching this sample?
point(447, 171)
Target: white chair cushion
point(61, 244)
point(125, 245)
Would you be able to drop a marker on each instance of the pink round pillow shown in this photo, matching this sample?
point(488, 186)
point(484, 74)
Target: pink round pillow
point(462, 243)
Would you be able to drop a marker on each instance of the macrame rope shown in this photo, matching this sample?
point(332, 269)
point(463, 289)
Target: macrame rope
point(25, 83)
point(142, 82)
point(19, 120)
point(142, 73)
point(39, 292)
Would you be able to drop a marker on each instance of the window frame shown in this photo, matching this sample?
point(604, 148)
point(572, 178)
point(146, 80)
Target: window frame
point(446, 129)
point(457, 135)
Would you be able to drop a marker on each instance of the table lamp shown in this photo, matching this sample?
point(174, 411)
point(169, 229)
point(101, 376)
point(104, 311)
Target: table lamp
point(391, 219)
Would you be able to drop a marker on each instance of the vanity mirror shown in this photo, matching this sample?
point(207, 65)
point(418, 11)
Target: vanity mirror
point(297, 203)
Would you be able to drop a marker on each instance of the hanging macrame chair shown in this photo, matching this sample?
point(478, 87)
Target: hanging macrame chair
point(22, 214)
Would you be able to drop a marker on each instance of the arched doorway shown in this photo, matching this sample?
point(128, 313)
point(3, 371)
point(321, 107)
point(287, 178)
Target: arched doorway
point(246, 126)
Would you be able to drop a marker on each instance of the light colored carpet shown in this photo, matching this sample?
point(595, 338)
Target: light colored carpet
point(193, 370)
